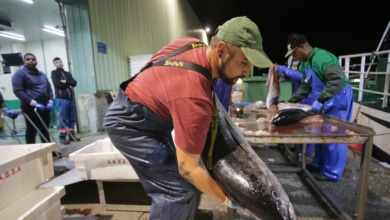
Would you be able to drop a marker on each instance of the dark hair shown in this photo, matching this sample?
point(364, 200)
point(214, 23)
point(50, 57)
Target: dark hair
point(28, 54)
point(56, 58)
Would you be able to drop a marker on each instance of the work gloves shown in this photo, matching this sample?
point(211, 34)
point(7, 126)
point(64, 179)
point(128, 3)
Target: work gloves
point(289, 74)
point(39, 106)
point(316, 107)
point(10, 113)
point(231, 204)
point(49, 106)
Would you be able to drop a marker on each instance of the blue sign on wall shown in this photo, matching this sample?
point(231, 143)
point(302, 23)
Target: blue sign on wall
point(101, 47)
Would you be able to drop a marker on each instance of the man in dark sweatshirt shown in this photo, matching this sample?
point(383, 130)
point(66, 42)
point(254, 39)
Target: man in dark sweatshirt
point(34, 91)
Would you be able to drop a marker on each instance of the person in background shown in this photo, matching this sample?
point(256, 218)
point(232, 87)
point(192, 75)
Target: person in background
point(292, 73)
point(224, 93)
point(294, 64)
point(159, 98)
point(33, 89)
point(323, 76)
point(65, 101)
point(5, 110)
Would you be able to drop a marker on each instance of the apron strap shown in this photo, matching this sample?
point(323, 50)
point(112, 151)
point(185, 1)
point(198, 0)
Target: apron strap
point(164, 62)
point(214, 129)
point(191, 66)
point(185, 65)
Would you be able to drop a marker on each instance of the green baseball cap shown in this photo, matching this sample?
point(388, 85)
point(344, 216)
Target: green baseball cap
point(244, 33)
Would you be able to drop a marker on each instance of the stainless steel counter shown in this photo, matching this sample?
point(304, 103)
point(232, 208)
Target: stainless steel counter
point(330, 130)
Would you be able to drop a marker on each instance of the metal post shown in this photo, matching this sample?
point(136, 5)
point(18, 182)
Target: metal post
point(58, 154)
point(44, 125)
point(68, 52)
point(67, 129)
point(363, 178)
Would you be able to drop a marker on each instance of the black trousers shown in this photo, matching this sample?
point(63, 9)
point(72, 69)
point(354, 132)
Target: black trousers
point(146, 141)
point(31, 131)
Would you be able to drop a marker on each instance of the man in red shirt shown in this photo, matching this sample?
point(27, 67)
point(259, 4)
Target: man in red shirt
point(174, 90)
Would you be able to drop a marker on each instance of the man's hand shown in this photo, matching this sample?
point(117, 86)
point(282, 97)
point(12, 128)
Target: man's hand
point(10, 113)
point(49, 106)
point(231, 203)
point(316, 106)
point(39, 106)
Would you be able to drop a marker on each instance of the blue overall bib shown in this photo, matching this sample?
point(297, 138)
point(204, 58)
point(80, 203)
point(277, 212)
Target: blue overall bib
point(331, 158)
point(223, 92)
point(145, 139)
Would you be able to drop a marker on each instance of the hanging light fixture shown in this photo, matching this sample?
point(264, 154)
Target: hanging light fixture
point(12, 36)
point(53, 30)
point(29, 1)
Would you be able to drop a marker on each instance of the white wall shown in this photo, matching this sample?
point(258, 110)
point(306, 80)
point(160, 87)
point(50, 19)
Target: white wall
point(44, 51)
point(128, 28)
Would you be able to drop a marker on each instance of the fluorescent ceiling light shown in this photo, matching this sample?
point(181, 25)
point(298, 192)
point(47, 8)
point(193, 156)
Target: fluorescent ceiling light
point(12, 36)
point(28, 1)
point(54, 30)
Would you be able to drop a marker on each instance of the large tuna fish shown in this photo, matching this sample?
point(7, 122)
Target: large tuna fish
point(242, 174)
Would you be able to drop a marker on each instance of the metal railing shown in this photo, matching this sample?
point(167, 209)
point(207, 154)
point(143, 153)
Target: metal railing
point(359, 66)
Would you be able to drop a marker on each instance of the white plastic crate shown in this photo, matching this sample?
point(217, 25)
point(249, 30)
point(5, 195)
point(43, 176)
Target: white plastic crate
point(38, 204)
point(23, 168)
point(100, 160)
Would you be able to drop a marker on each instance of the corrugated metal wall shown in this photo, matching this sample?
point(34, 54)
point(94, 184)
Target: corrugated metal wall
point(135, 27)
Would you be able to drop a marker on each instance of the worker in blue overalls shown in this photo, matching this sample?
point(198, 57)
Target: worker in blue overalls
point(323, 76)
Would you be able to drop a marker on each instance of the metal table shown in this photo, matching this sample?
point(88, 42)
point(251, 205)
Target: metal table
point(331, 130)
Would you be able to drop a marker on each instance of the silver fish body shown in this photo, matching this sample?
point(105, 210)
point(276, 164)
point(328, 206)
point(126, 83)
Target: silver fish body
point(242, 174)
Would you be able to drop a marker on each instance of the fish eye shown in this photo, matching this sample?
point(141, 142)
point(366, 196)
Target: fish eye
point(275, 195)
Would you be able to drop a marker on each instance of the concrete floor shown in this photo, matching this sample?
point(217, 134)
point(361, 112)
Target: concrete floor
point(306, 203)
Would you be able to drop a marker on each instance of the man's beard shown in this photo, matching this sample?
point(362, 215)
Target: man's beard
point(222, 74)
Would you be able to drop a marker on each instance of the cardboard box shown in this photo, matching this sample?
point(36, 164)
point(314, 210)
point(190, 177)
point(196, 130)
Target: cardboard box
point(23, 168)
point(102, 161)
